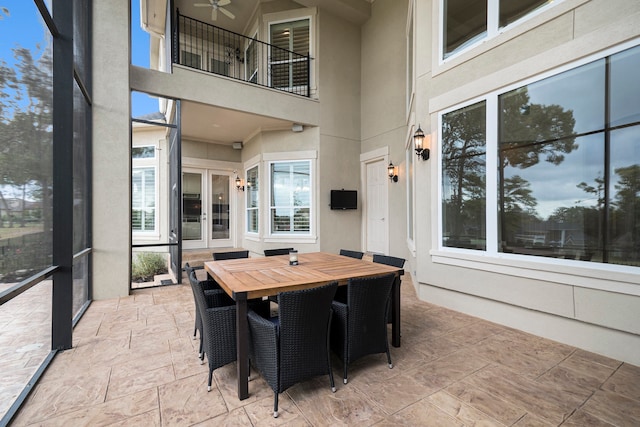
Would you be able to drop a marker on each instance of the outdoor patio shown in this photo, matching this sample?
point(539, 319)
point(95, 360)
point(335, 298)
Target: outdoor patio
point(134, 362)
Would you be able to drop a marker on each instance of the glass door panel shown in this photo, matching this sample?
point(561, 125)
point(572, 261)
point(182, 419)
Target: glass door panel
point(193, 215)
point(220, 218)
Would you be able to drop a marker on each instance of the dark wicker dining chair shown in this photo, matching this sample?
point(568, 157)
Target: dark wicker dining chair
point(218, 330)
point(295, 346)
point(214, 297)
point(359, 324)
point(392, 261)
point(219, 256)
point(389, 260)
point(208, 284)
point(352, 254)
point(279, 251)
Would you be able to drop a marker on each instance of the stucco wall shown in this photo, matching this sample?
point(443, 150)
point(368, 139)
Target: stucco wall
point(111, 150)
point(384, 105)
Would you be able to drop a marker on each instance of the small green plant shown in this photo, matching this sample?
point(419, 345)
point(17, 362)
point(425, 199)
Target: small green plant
point(145, 265)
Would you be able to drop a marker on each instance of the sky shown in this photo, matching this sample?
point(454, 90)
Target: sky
point(23, 27)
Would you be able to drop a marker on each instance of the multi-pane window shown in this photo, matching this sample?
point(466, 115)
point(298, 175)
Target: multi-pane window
point(466, 22)
point(252, 192)
point(289, 62)
point(568, 166)
point(143, 199)
point(290, 197)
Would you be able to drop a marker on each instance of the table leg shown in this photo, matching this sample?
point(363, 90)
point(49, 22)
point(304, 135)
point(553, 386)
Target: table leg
point(395, 313)
point(242, 344)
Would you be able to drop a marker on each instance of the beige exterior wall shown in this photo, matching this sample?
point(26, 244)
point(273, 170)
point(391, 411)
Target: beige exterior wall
point(384, 106)
point(339, 91)
point(590, 306)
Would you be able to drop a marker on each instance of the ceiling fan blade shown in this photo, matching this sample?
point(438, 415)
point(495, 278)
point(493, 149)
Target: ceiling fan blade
point(224, 2)
point(202, 5)
point(226, 12)
point(214, 13)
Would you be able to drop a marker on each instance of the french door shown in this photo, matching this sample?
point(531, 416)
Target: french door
point(208, 209)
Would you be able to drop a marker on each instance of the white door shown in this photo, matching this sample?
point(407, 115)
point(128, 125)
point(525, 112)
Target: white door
point(377, 231)
point(207, 209)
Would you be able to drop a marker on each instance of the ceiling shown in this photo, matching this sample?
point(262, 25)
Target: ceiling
point(202, 122)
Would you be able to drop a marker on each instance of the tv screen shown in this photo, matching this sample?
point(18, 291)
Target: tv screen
point(344, 199)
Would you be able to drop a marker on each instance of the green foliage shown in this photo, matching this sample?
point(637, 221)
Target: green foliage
point(145, 265)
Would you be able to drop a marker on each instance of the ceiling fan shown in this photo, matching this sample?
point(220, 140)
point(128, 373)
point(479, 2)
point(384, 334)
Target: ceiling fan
point(217, 5)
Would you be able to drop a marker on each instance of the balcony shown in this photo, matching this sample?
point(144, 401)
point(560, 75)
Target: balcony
point(212, 49)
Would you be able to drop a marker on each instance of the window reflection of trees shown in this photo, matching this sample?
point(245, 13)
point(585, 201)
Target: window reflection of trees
point(464, 167)
point(568, 183)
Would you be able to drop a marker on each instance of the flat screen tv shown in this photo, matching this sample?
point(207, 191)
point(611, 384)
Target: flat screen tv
point(344, 199)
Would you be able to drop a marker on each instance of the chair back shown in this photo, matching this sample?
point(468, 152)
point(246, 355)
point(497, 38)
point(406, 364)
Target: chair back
point(389, 260)
point(219, 256)
point(352, 254)
point(305, 317)
point(279, 251)
point(368, 304)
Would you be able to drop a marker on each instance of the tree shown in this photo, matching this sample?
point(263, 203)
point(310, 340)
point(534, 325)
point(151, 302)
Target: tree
point(26, 137)
point(529, 131)
point(464, 155)
point(627, 204)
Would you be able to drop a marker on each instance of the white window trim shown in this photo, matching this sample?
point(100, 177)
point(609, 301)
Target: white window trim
point(310, 13)
point(606, 277)
point(252, 234)
point(412, 159)
point(495, 36)
point(411, 57)
point(269, 158)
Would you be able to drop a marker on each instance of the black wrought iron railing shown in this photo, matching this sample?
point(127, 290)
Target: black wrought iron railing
point(206, 47)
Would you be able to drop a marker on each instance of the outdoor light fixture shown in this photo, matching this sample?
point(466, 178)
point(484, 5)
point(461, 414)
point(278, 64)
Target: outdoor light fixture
point(392, 171)
point(239, 185)
point(419, 143)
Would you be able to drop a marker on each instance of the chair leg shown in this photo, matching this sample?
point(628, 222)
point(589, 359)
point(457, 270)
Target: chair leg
point(344, 379)
point(275, 404)
point(333, 385)
point(389, 359)
point(210, 376)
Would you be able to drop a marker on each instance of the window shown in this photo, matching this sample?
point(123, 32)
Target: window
point(253, 200)
point(463, 180)
point(290, 197)
point(410, 58)
point(289, 56)
point(251, 60)
point(466, 22)
point(190, 59)
point(411, 157)
point(568, 166)
point(143, 199)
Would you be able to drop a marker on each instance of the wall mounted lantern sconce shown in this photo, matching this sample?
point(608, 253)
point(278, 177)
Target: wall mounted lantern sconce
point(392, 172)
point(422, 148)
point(239, 185)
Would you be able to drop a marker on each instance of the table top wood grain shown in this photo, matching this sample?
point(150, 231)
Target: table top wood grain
point(260, 277)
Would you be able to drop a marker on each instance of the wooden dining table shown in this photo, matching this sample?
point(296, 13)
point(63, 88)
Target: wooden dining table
point(250, 278)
